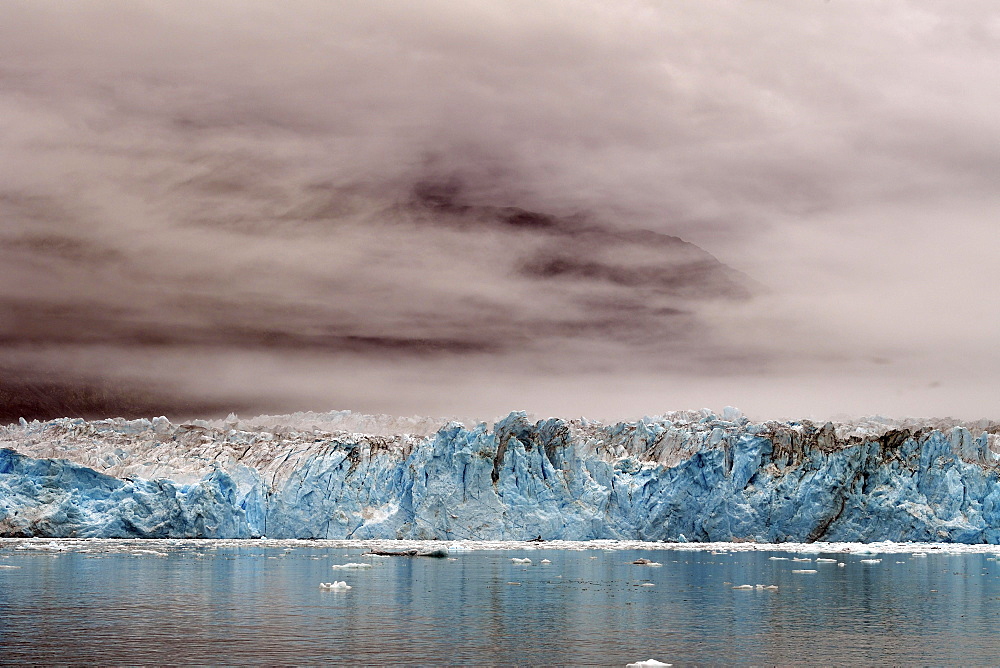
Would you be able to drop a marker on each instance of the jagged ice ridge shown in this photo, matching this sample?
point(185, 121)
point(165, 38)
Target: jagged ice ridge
point(683, 476)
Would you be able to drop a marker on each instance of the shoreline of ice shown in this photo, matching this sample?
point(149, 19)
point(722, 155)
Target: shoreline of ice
point(154, 545)
point(682, 476)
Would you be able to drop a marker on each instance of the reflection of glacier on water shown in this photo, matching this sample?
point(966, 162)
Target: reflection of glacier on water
point(97, 601)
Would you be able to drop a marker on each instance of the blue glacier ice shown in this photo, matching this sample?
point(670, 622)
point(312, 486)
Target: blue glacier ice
point(692, 476)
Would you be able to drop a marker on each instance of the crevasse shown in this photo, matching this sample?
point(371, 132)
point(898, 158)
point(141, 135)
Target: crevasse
point(689, 476)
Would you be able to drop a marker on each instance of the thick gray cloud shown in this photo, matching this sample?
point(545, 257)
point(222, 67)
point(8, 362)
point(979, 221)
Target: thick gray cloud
point(467, 208)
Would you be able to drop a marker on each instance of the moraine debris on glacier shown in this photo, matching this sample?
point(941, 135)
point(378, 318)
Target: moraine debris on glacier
point(690, 475)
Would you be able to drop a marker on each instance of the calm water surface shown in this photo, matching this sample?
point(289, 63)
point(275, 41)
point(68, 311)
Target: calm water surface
point(252, 604)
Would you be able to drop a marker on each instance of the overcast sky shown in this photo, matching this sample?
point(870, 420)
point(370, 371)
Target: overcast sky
point(465, 208)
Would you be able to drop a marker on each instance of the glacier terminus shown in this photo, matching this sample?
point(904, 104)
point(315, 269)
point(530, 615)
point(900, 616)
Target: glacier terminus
point(682, 476)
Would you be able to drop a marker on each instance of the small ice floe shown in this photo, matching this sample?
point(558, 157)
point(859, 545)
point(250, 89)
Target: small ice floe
point(746, 587)
point(801, 559)
point(648, 663)
point(778, 558)
point(152, 553)
point(871, 561)
point(51, 547)
point(644, 584)
point(515, 584)
point(820, 560)
point(336, 584)
point(2, 566)
point(646, 562)
point(518, 560)
point(841, 565)
point(918, 554)
point(546, 561)
point(437, 552)
point(350, 564)
point(804, 570)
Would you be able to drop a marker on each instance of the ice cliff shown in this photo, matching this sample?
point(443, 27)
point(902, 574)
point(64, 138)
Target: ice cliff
point(692, 476)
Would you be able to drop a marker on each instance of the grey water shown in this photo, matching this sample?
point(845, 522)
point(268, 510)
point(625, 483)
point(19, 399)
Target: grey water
point(252, 604)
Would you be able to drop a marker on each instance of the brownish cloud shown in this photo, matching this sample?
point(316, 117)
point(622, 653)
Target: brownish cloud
point(322, 206)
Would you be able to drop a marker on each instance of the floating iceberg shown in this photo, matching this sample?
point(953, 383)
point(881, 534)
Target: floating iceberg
point(646, 562)
point(686, 476)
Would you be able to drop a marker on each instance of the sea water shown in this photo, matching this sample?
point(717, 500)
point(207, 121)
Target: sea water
point(260, 602)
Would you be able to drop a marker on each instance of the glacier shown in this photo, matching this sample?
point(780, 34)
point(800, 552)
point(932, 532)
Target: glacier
point(683, 476)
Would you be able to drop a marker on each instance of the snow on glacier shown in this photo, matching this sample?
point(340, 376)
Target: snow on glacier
point(683, 476)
